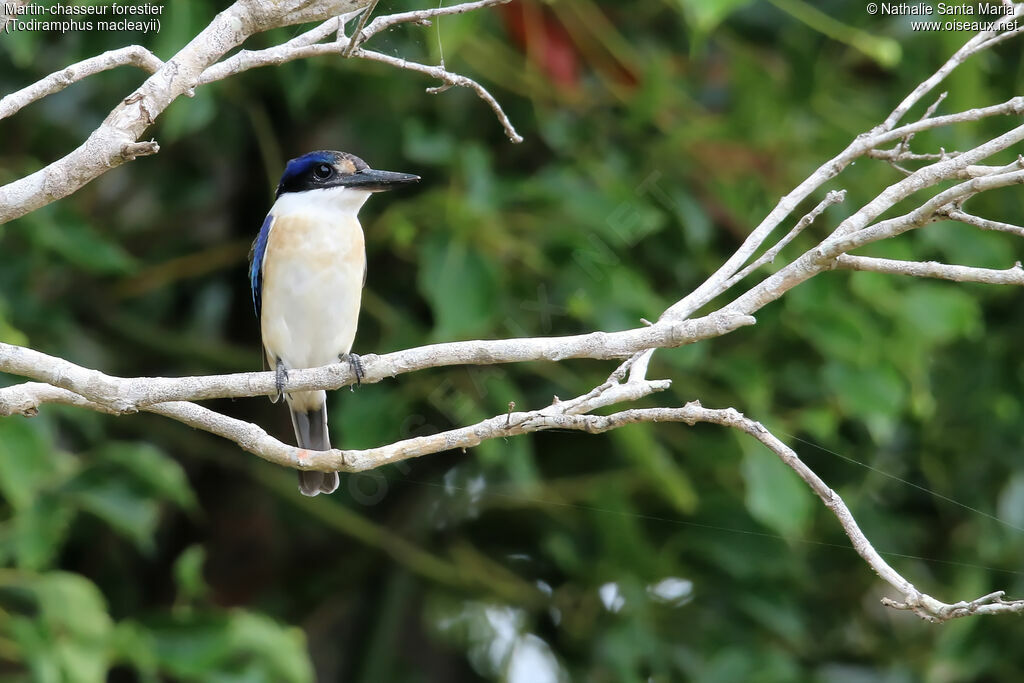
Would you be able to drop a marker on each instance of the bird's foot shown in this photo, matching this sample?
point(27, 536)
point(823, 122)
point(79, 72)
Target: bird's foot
point(356, 364)
point(280, 379)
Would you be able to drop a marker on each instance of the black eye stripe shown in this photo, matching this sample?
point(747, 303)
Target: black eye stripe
point(322, 171)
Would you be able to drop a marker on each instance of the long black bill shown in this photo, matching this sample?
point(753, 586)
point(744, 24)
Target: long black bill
point(377, 181)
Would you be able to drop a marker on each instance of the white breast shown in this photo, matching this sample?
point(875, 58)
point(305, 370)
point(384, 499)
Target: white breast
point(313, 273)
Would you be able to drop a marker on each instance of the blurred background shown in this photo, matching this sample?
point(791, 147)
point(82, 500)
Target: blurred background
point(658, 133)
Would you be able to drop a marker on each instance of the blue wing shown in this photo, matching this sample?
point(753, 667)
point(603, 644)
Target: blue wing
point(259, 249)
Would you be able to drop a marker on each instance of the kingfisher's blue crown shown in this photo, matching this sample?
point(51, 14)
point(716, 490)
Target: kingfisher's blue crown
point(302, 165)
point(302, 173)
point(325, 169)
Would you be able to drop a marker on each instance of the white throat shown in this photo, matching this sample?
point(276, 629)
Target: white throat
point(346, 200)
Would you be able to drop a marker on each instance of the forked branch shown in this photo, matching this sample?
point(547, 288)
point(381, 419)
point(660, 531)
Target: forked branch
point(118, 140)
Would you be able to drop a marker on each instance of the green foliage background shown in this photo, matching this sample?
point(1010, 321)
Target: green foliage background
point(657, 134)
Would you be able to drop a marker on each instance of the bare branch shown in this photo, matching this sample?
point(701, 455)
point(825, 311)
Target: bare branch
point(921, 604)
point(976, 44)
point(941, 271)
point(831, 198)
point(932, 610)
point(423, 16)
point(24, 399)
point(307, 47)
point(931, 210)
point(448, 78)
point(983, 223)
point(105, 147)
point(714, 285)
point(903, 148)
point(1005, 35)
point(119, 140)
point(133, 55)
point(357, 37)
point(823, 256)
point(981, 170)
point(895, 154)
point(129, 395)
point(926, 177)
point(934, 106)
point(563, 415)
point(256, 441)
point(287, 52)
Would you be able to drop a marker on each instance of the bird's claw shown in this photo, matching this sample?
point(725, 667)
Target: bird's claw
point(280, 379)
point(356, 363)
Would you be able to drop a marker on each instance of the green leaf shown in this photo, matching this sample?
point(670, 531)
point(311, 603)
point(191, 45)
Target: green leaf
point(76, 625)
point(32, 471)
point(657, 465)
point(188, 115)
point(127, 510)
point(132, 643)
point(189, 648)
point(232, 646)
point(35, 649)
point(427, 145)
point(188, 574)
point(461, 288)
point(158, 473)
point(866, 391)
point(837, 332)
point(78, 243)
point(39, 531)
point(281, 650)
point(360, 419)
point(941, 313)
point(478, 176)
point(22, 46)
point(776, 496)
point(8, 333)
point(884, 50)
point(705, 15)
point(818, 421)
point(28, 461)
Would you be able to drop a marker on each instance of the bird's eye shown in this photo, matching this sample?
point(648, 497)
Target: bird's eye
point(323, 172)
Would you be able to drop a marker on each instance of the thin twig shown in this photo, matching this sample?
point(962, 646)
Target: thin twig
point(983, 223)
point(978, 43)
point(450, 79)
point(357, 37)
point(833, 197)
point(931, 269)
point(904, 145)
point(824, 255)
point(895, 154)
point(423, 16)
point(714, 285)
point(348, 47)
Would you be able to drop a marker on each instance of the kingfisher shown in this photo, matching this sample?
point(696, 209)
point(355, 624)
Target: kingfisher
point(307, 270)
